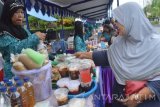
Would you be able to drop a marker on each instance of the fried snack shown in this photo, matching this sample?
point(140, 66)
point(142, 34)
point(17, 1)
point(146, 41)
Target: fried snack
point(28, 63)
point(19, 66)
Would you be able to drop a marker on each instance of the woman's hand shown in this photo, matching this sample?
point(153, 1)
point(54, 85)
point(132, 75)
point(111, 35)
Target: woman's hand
point(134, 99)
point(130, 101)
point(41, 36)
point(84, 55)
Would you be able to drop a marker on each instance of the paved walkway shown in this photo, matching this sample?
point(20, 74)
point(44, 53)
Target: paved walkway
point(157, 27)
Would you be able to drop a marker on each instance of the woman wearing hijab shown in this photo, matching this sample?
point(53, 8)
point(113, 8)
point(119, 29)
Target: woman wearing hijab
point(79, 41)
point(134, 55)
point(13, 37)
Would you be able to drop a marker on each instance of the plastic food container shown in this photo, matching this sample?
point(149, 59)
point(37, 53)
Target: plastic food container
point(63, 82)
point(86, 94)
point(63, 69)
point(74, 86)
point(73, 71)
point(61, 95)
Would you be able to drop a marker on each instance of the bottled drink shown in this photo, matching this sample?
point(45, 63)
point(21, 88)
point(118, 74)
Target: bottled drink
point(23, 93)
point(5, 80)
point(4, 99)
point(9, 84)
point(15, 98)
point(16, 79)
point(30, 92)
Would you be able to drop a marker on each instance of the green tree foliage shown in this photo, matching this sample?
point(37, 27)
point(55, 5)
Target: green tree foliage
point(153, 9)
point(38, 24)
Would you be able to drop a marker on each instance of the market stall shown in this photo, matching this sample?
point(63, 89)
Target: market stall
point(39, 70)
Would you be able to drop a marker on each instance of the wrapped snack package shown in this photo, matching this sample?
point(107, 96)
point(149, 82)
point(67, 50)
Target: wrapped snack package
point(77, 102)
point(61, 95)
point(74, 86)
point(35, 56)
point(73, 70)
point(19, 66)
point(63, 82)
point(28, 63)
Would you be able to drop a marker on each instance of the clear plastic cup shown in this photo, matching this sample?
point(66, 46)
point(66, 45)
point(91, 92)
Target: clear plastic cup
point(74, 86)
point(63, 69)
point(85, 76)
point(61, 95)
point(63, 82)
point(73, 71)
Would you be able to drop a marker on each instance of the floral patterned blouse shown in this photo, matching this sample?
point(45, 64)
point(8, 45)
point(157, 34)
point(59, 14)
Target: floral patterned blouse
point(9, 44)
point(80, 45)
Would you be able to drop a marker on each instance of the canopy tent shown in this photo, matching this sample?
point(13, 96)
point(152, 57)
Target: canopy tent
point(89, 9)
point(92, 9)
point(39, 15)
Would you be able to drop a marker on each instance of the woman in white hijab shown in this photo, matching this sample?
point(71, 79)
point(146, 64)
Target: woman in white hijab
point(134, 55)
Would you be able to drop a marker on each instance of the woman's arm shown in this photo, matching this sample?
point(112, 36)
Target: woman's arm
point(150, 92)
point(16, 45)
point(100, 58)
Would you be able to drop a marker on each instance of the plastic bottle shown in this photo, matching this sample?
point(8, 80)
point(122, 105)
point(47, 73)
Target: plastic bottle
point(4, 99)
point(5, 80)
point(23, 93)
point(15, 98)
point(9, 84)
point(16, 79)
point(30, 92)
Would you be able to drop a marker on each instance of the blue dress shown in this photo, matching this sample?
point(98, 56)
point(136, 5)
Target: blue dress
point(80, 45)
point(9, 44)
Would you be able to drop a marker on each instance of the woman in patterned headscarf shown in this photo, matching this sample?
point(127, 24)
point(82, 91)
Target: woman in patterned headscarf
point(13, 37)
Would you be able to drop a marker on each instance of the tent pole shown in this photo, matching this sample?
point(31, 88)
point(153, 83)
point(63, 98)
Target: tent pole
point(26, 16)
point(62, 27)
point(117, 3)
